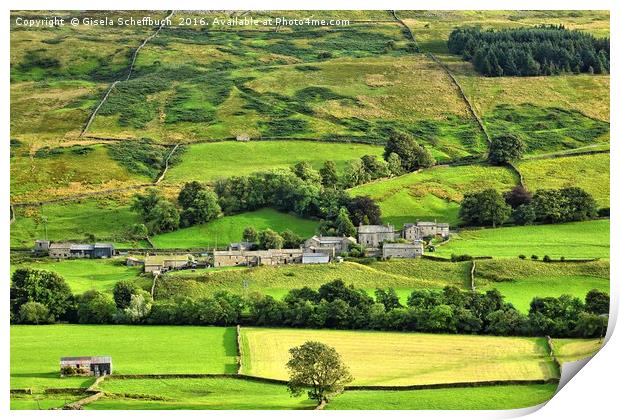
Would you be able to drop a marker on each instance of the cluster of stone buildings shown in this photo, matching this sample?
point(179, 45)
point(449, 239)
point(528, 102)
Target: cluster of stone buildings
point(377, 240)
point(387, 242)
point(316, 250)
point(63, 250)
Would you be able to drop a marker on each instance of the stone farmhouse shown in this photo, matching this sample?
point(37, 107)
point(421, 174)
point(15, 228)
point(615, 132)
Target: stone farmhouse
point(379, 240)
point(69, 250)
point(372, 236)
point(158, 264)
point(330, 245)
point(232, 257)
point(419, 230)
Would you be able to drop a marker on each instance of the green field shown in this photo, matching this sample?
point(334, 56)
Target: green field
point(105, 219)
point(228, 229)
point(85, 274)
point(36, 351)
point(479, 398)
point(196, 394)
point(404, 276)
point(572, 240)
point(433, 193)
point(42, 401)
point(520, 281)
point(403, 358)
point(210, 161)
point(590, 172)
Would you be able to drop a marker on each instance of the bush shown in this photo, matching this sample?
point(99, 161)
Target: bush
point(34, 313)
point(534, 257)
point(521, 256)
point(546, 258)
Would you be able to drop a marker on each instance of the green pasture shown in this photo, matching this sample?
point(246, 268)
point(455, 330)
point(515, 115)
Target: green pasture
point(590, 172)
point(104, 219)
point(86, 274)
point(433, 194)
point(228, 229)
point(588, 239)
point(210, 161)
point(36, 351)
point(478, 398)
point(196, 394)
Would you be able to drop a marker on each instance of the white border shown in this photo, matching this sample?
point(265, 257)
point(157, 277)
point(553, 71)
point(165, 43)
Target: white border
point(592, 394)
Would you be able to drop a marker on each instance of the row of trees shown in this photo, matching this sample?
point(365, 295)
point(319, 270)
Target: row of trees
point(41, 297)
point(543, 50)
point(490, 208)
point(300, 189)
point(270, 239)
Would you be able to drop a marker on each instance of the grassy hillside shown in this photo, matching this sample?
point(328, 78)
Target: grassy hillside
point(520, 281)
point(590, 172)
point(228, 229)
point(107, 218)
point(405, 359)
point(210, 161)
point(276, 281)
point(433, 193)
point(59, 172)
point(572, 240)
point(36, 351)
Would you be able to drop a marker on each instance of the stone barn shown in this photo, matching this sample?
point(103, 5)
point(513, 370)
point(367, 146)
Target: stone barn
point(94, 365)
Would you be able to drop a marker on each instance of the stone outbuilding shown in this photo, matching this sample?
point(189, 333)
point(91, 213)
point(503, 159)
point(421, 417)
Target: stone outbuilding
point(402, 250)
point(91, 365)
point(331, 245)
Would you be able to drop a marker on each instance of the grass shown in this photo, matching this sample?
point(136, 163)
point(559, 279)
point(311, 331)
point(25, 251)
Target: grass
point(276, 281)
point(83, 275)
point(404, 358)
point(42, 401)
point(479, 398)
point(36, 351)
point(227, 229)
point(588, 239)
point(196, 394)
point(571, 350)
point(68, 173)
point(433, 193)
point(524, 280)
point(590, 172)
point(104, 218)
point(210, 161)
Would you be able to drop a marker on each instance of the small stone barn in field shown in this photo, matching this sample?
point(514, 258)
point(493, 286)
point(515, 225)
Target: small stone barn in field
point(96, 365)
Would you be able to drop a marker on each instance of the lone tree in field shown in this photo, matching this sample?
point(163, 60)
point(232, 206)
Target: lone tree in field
point(319, 369)
point(506, 148)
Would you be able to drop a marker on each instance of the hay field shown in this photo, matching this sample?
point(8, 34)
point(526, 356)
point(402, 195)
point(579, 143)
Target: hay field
point(386, 358)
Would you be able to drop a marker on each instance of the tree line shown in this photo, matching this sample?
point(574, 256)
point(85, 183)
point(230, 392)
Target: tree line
point(542, 50)
point(491, 208)
point(39, 297)
point(300, 189)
